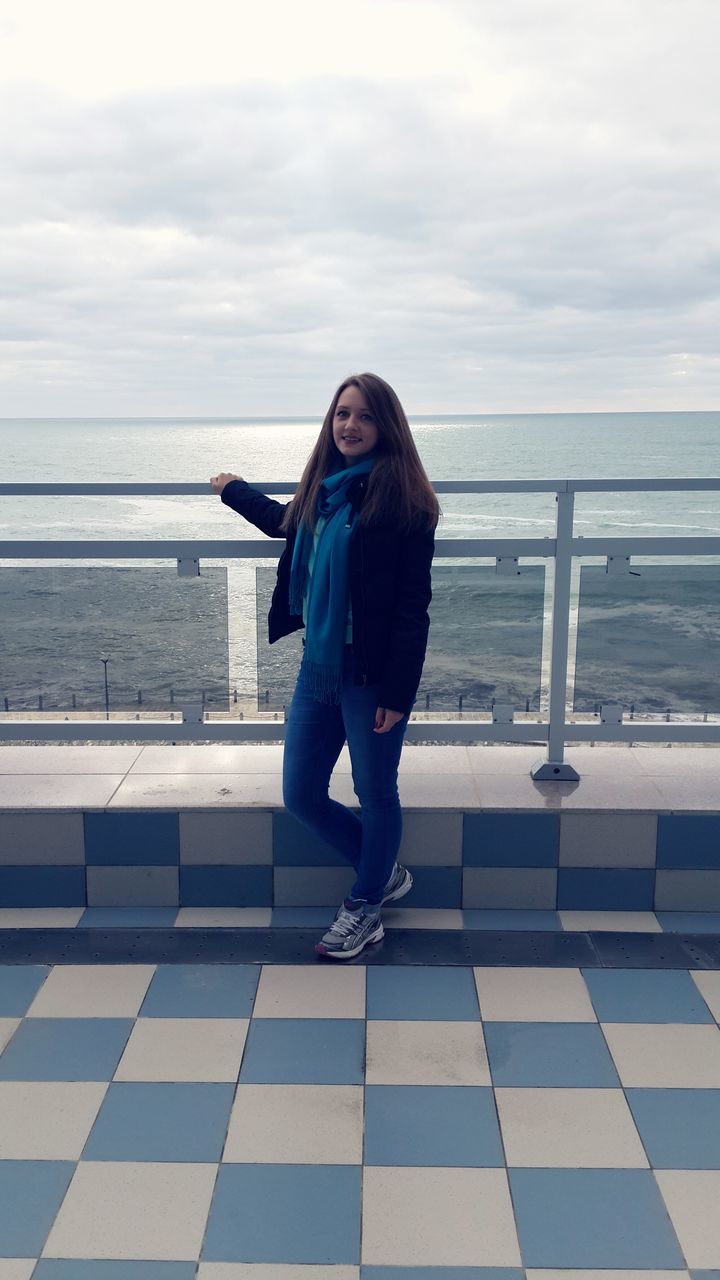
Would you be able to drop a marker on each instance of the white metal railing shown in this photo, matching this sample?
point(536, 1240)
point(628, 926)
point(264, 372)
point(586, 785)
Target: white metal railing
point(562, 549)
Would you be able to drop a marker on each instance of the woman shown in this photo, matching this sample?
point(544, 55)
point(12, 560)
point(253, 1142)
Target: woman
point(355, 573)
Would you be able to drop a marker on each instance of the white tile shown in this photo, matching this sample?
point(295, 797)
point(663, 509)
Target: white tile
point(275, 1271)
point(407, 1052)
point(302, 991)
point(569, 1128)
point(707, 982)
point(611, 921)
point(502, 759)
point(191, 791)
point(50, 1120)
point(57, 790)
point(296, 1124)
point(224, 918)
point(437, 1217)
point(8, 1027)
point(678, 761)
point(133, 1209)
point(665, 1055)
point(433, 791)
point(692, 1197)
point(421, 918)
point(184, 1049)
point(18, 1268)
point(426, 759)
point(608, 840)
point(92, 991)
point(593, 791)
point(40, 917)
point(67, 758)
point(520, 994)
point(210, 757)
point(622, 1273)
point(681, 793)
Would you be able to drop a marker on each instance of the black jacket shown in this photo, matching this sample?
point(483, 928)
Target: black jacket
point(390, 592)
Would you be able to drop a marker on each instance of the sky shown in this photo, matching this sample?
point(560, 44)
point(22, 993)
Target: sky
point(221, 207)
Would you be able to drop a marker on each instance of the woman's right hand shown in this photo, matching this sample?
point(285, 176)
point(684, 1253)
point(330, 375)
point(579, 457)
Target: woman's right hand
point(218, 482)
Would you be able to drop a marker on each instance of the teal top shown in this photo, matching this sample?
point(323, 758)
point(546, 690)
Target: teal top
point(311, 561)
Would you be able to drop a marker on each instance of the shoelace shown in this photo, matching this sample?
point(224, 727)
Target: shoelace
point(344, 923)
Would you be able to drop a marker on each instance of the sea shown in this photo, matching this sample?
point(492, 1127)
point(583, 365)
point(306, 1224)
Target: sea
point(84, 635)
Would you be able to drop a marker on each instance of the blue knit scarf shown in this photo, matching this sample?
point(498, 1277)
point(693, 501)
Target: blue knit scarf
point(329, 588)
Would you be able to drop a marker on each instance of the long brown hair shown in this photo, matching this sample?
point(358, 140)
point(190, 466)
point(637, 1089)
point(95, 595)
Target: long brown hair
point(398, 493)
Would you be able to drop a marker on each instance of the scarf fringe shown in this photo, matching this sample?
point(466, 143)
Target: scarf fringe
point(324, 682)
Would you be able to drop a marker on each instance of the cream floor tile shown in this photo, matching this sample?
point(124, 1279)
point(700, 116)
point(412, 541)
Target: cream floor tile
point(273, 1271)
point(665, 1056)
point(437, 1217)
point(301, 991)
point(421, 918)
point(47, 1120)
point(41, 757)
point(193, 791)
point(210, 757)
point(41, 791)
point(611, 921)
point(16, 1268)
point(183, 1049)
point(8, 1027)
point(569, 1128)
point(692, 1197)
point(224, 918)
point(406, 1052)
point(92, 991)
point(521, 994)
point(133, 1210)
point(40, 918)
point(708, 984)
point(296, 1124)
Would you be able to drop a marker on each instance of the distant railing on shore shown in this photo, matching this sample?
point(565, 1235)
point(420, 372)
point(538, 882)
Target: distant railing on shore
point(612, 594)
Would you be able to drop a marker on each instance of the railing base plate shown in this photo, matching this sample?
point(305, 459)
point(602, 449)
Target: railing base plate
point(553, 771)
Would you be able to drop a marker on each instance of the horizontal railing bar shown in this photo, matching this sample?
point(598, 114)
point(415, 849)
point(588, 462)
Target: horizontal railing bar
point(249, 548)
point(645, 546)
point(43, 488)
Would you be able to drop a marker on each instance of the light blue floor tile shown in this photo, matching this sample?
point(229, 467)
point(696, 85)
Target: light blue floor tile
point(690, 922)
point(201, 991)
point(172, 1122)
point(592, 1218)
point(31, 1192)
point(304, 1051)
point(422, 992)
point(645, 995)
point(705, 1275)
point(679, 1128)
point(65, 1049)
point(19, 984)
point(285, 1213)
point(431, 1125)
point(481, 918)
point(553, 1054)
point(99, 1269)
point(128, 918)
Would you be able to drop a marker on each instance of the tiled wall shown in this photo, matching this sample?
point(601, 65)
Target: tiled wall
point(251, 857)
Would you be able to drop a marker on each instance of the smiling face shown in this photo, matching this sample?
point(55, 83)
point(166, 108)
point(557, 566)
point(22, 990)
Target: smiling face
point(354, 430)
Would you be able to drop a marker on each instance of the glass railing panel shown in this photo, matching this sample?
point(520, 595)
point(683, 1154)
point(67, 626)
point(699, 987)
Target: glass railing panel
point(165, 639)
point(484, 645)
point(649, 640)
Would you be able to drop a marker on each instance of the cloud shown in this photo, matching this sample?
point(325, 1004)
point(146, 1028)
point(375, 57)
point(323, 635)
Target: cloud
point(539, 235)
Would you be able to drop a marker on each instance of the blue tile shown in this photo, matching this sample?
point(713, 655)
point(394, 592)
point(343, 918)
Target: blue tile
point(294, 845)
point(65, 1049)
point(511, 839)
point(163, 1122)
point(645, 995)
point(431, 1125)
point(553, 1054)
point(42, 887)
point(425, 992)
point(592, 1218)
point(435, 887)
point(688, 840)
point(304, 1051)
point(208, 886)
point(441, 1273)
point(97, 1269)
point(679, 1128)
point(483, 918)
point(605, 889)
point(689, 921)
point(285, 1213)
point(132, 839)
point(704, 1275)
point(128, 918)
point(31, 1192)
point(201, 991)
point(19, 985)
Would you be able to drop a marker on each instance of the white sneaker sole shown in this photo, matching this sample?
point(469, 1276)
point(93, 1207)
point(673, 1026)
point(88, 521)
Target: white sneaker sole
point(400, 892)
point(348, 955)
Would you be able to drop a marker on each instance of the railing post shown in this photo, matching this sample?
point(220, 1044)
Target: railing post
point(554, 767)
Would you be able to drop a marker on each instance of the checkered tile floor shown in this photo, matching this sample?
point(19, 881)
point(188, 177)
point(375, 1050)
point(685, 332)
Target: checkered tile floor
point(371, 1122)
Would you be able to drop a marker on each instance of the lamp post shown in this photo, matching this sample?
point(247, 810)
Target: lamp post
point(107, 699)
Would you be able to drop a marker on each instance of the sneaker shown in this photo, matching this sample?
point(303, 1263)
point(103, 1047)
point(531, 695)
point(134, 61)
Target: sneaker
point(398, 885)
point(355, 924)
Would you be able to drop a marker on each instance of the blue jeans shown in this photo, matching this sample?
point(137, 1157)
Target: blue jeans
point(314, 736)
